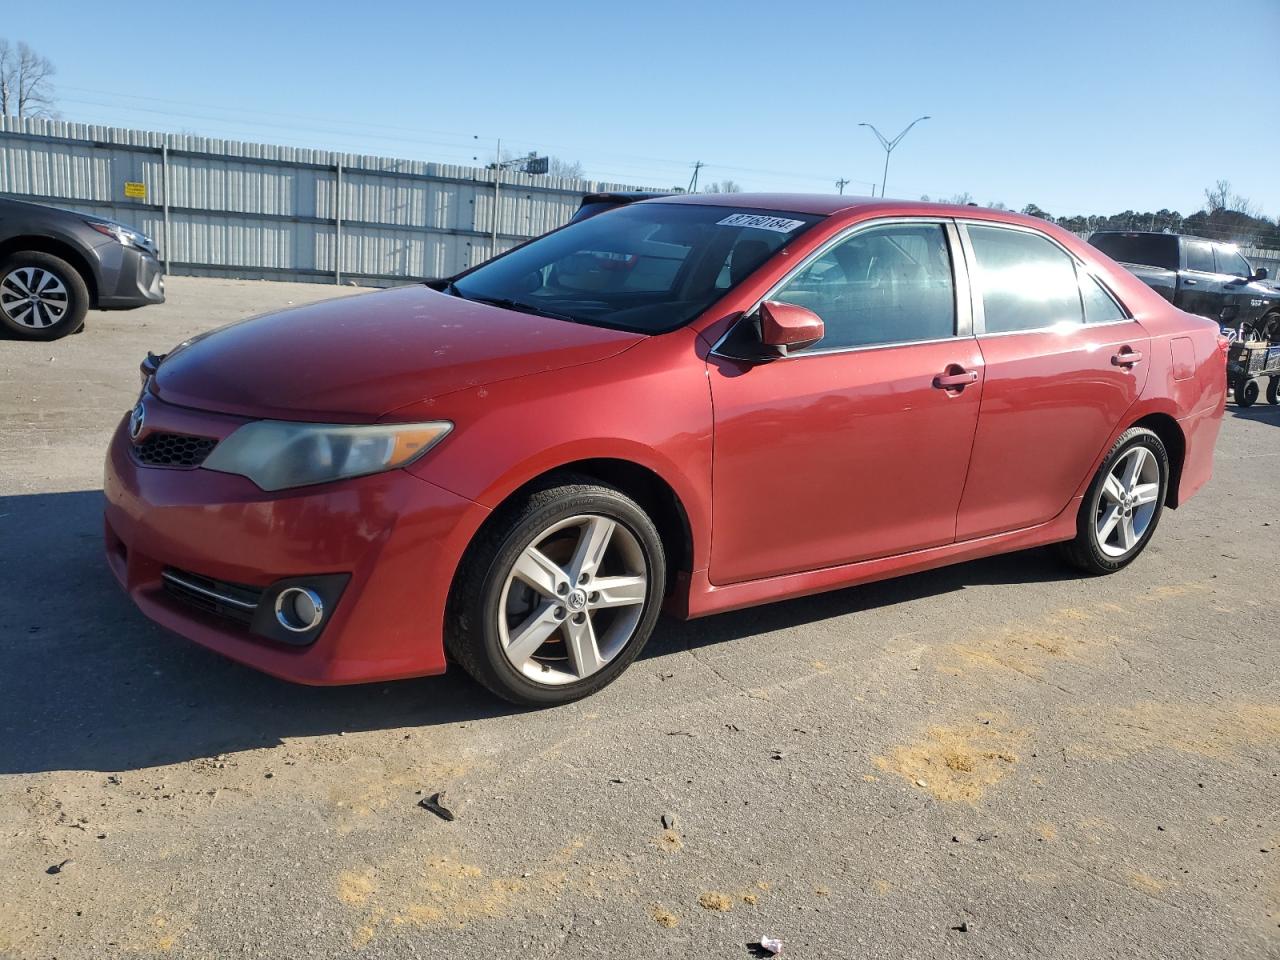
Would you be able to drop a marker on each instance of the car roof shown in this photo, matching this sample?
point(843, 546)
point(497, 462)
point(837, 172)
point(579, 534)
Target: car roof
point(828, 204)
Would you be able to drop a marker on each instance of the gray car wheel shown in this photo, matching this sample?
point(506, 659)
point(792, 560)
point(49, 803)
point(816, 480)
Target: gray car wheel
point(42, 297)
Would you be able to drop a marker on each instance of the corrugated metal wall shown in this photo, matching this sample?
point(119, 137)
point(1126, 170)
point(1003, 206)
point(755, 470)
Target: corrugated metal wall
point(257, 210)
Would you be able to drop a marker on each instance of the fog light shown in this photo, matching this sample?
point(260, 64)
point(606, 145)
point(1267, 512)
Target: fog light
point(299, 609)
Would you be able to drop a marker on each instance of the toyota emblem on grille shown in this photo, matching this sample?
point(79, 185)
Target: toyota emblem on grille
point(137, 418)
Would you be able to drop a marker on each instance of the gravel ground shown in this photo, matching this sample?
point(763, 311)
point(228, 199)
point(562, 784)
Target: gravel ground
point(994, 760)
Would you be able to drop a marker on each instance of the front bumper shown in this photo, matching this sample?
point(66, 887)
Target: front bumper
point(129, 279)
point(391, 541)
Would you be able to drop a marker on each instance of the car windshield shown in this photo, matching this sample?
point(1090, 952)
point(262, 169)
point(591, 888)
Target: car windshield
point(648, 267)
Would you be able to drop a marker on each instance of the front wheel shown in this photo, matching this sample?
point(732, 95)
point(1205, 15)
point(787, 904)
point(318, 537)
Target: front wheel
point(1122, 505)
point(1247, 393)
point(42, 297)
point(558, 594)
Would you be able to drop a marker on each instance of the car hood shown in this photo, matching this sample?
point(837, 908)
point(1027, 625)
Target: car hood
point(356, 359)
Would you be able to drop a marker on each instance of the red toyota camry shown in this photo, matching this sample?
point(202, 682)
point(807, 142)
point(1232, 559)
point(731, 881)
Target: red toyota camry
point(698, 403)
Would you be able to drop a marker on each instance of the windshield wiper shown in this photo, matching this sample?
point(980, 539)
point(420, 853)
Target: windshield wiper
point(508, 304)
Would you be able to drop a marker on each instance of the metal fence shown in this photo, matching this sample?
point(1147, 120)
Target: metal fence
point(231, 209)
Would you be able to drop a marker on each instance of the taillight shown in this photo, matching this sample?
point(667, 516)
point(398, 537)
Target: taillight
point(1224, 346)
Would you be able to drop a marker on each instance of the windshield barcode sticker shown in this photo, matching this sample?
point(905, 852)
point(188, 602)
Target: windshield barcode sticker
point(759, 221)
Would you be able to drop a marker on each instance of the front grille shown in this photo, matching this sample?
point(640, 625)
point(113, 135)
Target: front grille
point(174, 450)
point(232, 601)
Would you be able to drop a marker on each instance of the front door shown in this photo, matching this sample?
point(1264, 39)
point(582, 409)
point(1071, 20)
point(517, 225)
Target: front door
point(856, 447)
point(1064, 362)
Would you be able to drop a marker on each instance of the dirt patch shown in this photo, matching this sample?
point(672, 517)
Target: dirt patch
point(1146, 883)
point(669, 841)
point(957, 763)
point(715, 900)
point(355, 888)
point(446, 891)
point(1218, 732)
point(664, 917)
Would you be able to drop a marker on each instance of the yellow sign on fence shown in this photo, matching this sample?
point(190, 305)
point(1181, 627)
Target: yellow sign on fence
point(137, 191)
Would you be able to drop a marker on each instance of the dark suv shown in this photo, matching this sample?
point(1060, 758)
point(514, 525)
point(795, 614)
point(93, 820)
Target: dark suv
point(57, 264)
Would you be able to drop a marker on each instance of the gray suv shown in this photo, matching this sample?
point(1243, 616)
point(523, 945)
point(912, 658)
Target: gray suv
point(57, 264)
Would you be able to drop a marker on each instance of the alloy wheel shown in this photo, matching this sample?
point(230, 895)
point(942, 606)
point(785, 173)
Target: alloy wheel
point(33, 297)
point(573, 599)
point(1127, 502)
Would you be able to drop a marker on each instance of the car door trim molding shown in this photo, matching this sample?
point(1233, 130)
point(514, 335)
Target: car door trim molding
point(963, 296)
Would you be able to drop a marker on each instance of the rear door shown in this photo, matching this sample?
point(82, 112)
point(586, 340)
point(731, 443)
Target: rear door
point(1063, 362)
point(856, 447)
point(1201, 284)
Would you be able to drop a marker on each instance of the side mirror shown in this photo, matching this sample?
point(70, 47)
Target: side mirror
point(1260, 273)
point(786, 327)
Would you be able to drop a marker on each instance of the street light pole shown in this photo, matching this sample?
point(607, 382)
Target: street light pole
point(890, 144)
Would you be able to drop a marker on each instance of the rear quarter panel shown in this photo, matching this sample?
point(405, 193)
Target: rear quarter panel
point(1195, 401)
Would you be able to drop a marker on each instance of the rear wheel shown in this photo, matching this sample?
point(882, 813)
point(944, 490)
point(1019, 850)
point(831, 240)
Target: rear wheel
point(1273, 390)
point(41, 296)
point(1123, 504)
point(558, 595)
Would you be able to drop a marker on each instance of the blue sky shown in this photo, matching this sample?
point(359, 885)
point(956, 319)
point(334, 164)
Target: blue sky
point(1078, 106)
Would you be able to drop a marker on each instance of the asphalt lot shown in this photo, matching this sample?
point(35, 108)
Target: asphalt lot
point(994, 760)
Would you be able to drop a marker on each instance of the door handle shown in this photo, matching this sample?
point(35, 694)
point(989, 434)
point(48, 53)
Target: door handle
point(1126, 358)
point(955, 381)
point(1187, 282)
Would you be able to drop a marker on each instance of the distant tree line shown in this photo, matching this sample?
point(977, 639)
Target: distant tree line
point(1225, 216)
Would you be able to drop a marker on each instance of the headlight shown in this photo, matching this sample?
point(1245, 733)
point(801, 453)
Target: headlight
point(276, 454)
point(121, 233)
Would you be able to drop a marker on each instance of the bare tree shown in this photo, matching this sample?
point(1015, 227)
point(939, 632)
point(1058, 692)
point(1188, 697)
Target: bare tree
point(722, 186)
point(566, 168)
point(1221, 197)
point(26, 85)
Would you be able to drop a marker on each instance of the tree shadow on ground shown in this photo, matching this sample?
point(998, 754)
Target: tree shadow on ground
point(88, 683)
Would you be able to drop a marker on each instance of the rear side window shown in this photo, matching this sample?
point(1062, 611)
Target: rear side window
point(1153, 250)
point(1026, 282)
point(889, 284)
point(1098, 305)
point(1200, 257)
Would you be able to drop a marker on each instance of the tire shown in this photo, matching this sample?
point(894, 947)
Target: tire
point(1247, 393)
point(1089, 551)
point(496, 613)
point(1269, 328)
point(62, 302)
point(1273, 391)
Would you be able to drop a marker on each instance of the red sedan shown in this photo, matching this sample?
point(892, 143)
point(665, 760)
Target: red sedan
point(699, 403)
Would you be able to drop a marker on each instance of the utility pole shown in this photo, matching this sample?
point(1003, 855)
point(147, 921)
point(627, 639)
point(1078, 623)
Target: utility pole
point(497, 176)
point(842, 183)
point(889, 145)
point(693, 182)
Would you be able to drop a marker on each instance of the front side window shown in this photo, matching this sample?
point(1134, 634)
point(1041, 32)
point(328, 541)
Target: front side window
point(1231, 263)
point(649, 267)
point(889, 284)
point(1026, 282)
point(1200, 257)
